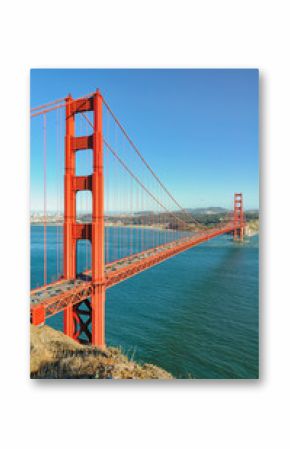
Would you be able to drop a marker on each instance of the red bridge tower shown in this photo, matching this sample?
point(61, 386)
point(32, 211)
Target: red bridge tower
point(239, 218)
point(85, 321)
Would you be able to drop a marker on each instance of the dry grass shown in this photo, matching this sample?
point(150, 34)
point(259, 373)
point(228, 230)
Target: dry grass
point(252, 227)
point(55, 356)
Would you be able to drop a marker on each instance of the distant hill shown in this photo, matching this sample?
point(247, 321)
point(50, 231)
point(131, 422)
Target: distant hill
point(205, 215)
point(207, 210)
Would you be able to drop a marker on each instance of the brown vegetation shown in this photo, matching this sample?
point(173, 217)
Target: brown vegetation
point(252, 227)
point(55, 356)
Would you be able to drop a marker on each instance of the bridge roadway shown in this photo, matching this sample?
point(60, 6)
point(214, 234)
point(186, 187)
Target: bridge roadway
point(55, 297)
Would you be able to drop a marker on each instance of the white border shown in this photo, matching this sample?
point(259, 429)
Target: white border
point(203, 414)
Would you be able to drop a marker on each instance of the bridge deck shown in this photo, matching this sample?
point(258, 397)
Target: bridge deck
point(57, 296)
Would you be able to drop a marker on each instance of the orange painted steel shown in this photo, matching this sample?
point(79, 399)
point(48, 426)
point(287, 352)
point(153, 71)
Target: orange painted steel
point(85, 323)
point(43, 106)
point(239, 217)
point(69, 243)
point(79, 293)
point(147, 165)
point(98, 229)
point(82, 297)
point(53, 105)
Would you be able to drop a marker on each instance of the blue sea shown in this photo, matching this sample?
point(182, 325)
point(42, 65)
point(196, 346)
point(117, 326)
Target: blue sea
point(195, 315)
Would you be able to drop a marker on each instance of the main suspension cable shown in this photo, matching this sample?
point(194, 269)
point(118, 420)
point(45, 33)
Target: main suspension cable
point(134, 176)
point(47, 104)
point(125, 166)
point(146, 163)
point(56, 106)
point(155, 176)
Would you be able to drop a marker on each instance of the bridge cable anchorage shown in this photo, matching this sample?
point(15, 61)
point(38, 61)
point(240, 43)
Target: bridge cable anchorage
point(143, 186)
point(147, 165)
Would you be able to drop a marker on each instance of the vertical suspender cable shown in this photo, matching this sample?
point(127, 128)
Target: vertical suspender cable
point(44, 203)
point(115, 201)
point(57, 193)
point(131, 207)
point(106, 163)
point(87, 202)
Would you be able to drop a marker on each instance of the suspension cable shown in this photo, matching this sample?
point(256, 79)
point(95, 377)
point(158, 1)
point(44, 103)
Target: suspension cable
point(47, 104)
point(125, 166)
point(146, 163)
point(56, 106)
point(164, 188)
point(44, 203)
point(134, 176)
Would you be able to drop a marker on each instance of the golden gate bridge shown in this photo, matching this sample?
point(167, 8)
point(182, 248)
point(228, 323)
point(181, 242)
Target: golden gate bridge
point(113, 180)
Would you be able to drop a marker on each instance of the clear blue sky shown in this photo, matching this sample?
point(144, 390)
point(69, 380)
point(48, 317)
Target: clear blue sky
point(197, 128)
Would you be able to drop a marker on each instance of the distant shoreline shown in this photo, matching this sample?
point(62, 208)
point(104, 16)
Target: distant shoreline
point(113, 226)
point(250, 232)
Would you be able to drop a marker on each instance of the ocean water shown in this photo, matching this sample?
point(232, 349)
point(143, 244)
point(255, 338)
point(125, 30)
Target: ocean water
point(195, 315)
